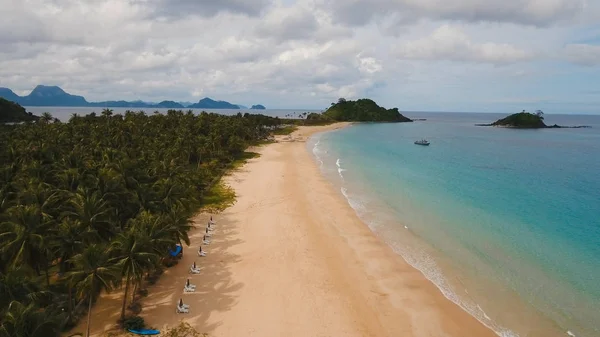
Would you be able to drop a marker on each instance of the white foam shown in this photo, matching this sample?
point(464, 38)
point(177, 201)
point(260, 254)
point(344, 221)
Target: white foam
point(483, 312)
point(316, 152)
point(340, 169)
point(570, 333)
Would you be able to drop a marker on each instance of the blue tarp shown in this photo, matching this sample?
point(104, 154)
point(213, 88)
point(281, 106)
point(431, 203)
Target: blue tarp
point(146, 332)
point(176, 251)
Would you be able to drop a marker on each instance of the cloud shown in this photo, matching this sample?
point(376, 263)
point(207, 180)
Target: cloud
point(583, 54)
point(452, 44)
point(295, 53)
point(291, 23)
point(204, 8)
point(526, 12)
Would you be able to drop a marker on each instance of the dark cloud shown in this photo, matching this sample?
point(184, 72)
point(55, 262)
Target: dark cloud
point(204, 8)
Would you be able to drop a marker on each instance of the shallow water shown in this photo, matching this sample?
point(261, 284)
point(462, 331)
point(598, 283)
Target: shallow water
point(505, 222)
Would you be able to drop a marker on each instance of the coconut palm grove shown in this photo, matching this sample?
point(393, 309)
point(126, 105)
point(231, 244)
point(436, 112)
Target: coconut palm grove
point(96, 204)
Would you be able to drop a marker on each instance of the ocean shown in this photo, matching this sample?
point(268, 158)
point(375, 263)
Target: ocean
point(506, 223)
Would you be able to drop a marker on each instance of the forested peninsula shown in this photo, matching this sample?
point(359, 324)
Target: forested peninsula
point(362, 110)
point(97, 203)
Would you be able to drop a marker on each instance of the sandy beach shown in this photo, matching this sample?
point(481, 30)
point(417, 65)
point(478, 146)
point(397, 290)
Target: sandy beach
point(291, 258)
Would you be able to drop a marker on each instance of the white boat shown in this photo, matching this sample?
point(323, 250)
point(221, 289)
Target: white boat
point(422, 142)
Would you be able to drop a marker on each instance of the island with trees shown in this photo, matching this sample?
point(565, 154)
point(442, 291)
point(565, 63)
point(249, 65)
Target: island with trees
point(362, 110)
point(258, 107)
point(97, 203)
point(527, 120)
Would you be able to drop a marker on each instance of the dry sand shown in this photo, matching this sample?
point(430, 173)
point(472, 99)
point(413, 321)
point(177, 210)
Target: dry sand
point(291, 258)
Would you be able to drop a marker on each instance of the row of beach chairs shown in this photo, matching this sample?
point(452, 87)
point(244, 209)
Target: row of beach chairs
point(182, 308)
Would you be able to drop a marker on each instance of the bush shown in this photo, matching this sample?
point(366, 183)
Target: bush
point(134, 323)
point(170, 263)
point(143, 292)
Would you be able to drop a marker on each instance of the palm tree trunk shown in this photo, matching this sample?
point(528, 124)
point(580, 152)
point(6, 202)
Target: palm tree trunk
point(135, 286)
point(125, 297)
point(47, 278)
point(70, 304)
point(90, 308)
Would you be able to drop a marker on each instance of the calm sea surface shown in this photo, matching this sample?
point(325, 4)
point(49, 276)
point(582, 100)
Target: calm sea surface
point(505, 222)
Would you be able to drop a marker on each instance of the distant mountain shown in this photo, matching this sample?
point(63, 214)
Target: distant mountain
point(120, 104)
point(9, 95)
point(242, 106)
point(169, 105)
point(258, 107)
point(11, 112)
point(207, 103)
point(44, 95)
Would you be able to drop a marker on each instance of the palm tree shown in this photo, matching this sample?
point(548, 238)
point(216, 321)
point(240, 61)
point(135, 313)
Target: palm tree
point(22, 237)
point(90, 211)
point(134, 256)
point(93, 272)
point(46, 118)
point(22, 320)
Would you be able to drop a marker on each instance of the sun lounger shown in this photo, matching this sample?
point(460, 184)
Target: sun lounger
point(202, 253)
point(182, 310)
point(144, 332)
point(195, 270)
point(187, 289)
point(206, 242)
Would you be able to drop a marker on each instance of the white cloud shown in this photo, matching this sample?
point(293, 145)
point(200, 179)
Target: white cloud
point(452, 44)
point(528, 12)
point(583, 54)
point(287, 53)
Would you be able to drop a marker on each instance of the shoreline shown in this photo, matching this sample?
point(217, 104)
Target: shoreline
point(291, 257)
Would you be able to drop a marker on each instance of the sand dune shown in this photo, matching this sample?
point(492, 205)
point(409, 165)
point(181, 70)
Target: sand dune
point(291, 258)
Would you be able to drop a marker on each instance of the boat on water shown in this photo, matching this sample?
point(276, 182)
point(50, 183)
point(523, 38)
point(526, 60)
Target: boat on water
point(422, 142)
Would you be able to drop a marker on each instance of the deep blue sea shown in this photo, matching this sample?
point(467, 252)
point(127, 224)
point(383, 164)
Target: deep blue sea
point(505, 222)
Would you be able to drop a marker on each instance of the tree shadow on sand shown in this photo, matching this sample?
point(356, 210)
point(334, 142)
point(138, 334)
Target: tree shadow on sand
point(215, 289)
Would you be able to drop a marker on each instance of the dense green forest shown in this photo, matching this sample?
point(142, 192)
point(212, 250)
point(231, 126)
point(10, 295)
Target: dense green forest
point(11, 112)
point(96, 203)
point(523, 120)
point(362, 110)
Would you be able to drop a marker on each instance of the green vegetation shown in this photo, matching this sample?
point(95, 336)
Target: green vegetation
point(362, 110)
point(96, 203)
point(14, 113)
point(523, 120)
point(286, 130)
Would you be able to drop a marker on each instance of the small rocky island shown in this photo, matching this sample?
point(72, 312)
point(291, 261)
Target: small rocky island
point(258, 107)
point(527, 120)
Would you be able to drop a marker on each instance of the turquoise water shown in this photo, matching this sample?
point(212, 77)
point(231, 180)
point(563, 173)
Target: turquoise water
point(505, 222)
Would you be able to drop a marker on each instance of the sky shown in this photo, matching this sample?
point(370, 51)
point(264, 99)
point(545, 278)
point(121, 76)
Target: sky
point(416, 55)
